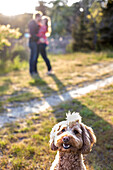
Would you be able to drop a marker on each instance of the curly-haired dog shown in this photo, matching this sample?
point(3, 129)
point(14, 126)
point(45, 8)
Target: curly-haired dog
point(72, 139)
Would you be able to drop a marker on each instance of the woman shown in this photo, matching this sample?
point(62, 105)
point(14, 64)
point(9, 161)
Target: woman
point(43, 33)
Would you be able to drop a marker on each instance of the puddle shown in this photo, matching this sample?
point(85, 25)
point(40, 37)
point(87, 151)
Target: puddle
point(37, 106)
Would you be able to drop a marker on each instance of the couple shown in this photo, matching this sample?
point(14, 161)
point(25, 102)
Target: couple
point(39, 28)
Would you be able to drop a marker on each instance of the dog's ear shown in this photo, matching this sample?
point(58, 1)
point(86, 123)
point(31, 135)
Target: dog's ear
point(52, 138)
point(53, 147)
point(89, 138)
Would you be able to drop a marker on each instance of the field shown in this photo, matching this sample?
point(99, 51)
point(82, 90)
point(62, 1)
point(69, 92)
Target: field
point(24, 144)
point(71, 70)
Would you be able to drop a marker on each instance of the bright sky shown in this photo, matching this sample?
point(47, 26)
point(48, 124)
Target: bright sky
point(15, 7)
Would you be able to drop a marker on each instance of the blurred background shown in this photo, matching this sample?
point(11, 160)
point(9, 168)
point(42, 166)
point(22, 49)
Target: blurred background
point(81, 53)
point(77, 25)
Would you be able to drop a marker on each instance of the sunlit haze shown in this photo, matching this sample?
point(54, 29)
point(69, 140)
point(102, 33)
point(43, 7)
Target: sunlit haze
point(15, 7)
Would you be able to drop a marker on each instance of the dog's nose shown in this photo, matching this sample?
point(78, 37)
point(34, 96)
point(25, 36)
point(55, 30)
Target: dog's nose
point(65, 139)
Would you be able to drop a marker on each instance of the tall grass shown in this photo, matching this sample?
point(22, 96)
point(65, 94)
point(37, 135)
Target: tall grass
point(15, 65)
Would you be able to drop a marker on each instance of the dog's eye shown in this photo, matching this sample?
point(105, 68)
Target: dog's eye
point(75, 132)
point(63, 130)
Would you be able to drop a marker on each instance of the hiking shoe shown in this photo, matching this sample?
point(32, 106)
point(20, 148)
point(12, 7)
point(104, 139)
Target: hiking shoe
point(35, 75)
point(50, 72)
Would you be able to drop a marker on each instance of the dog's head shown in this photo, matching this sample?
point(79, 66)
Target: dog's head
point(72, 135)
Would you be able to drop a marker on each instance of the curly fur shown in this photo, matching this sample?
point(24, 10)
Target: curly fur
point(72, 139)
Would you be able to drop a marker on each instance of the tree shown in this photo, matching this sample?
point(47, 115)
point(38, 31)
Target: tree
point(106, 26)
point(79, 33)
point(6, 33)
point(94, 18)
point(18, 21)
point(42, 7)
point(61, 15)
point(86, 25)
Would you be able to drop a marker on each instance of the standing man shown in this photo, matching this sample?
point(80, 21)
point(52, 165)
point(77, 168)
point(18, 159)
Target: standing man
point(33, 30)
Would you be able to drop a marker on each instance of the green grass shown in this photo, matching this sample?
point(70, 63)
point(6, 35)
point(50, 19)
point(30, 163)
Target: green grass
point(70, 70)
point(25, 144)
point(22, 97)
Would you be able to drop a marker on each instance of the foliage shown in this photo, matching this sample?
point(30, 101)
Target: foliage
point(79, 33)
point(86, 26)
point(19, 50)
point(95, 17)
point(69, 48)
point(6, 33)
point(42, 7)
point(106, 27)
point(8, 66)
point(17, 21)
point(91, 27)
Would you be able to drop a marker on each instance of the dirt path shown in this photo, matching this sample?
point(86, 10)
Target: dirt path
point(14, 113)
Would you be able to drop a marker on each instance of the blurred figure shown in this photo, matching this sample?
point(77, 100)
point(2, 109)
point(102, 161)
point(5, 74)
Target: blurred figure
point(43, 33)
point(33, 30)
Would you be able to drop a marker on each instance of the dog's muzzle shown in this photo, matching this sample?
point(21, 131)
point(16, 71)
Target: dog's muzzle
point(65, 142)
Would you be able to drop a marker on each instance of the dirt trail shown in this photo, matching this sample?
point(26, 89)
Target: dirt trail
point(34, 106)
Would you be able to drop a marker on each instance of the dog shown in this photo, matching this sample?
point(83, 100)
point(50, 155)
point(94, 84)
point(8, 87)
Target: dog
point(71, 139)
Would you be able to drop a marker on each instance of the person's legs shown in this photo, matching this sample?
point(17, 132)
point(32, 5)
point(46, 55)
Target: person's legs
point(33, 58)
point(44, 55)
point(38, 51)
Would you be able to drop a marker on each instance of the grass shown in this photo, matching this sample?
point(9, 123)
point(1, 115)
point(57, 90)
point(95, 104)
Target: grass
point(22, 97)
point(70, 70)
point(25, 143)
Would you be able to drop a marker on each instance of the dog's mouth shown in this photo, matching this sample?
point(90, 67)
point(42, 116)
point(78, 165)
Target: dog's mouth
point(66, 146)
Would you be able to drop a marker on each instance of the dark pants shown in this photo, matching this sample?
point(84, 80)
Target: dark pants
point(42, 51)
point(33, 57)
point(37, 49)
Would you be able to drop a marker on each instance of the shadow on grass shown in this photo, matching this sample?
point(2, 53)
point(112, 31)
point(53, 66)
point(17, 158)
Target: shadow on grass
point(99, 159)
point(42, 86)
point(3, 89)
point(5, 86)
point(101, 156)
point(46, 90)
point(59, 84)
